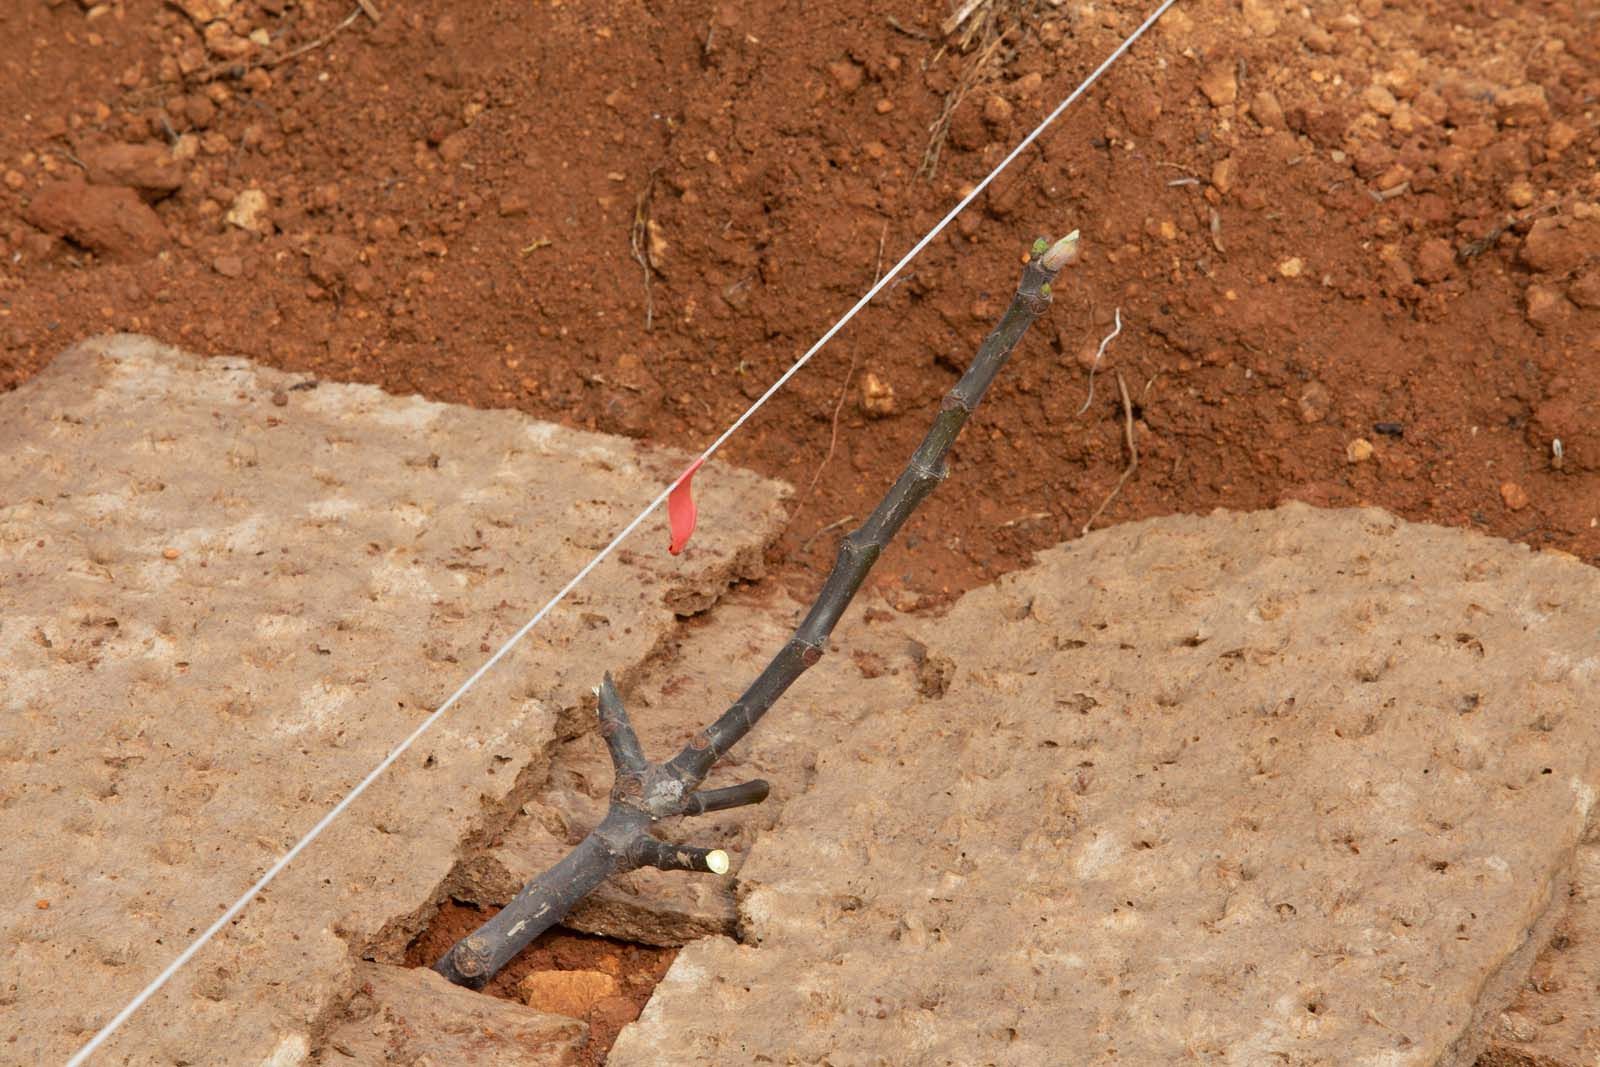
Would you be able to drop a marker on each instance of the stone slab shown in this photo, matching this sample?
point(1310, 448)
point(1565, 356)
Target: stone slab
point(1290, 787)
point(229, 592)
point(1555, 1019)
point(689, 683)
point(413, 1016)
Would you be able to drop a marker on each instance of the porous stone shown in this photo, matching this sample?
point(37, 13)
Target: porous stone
point(109, 220)
point(1555, 1019)
point(229, 593)
point(413, 1016)
point(1293, 786)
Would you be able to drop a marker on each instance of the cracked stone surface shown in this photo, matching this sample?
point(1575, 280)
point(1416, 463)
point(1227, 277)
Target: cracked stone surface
point(1291, 787)
point(1554, 1021)
point(229, 592)
point(693, 679)
point(414, 1016)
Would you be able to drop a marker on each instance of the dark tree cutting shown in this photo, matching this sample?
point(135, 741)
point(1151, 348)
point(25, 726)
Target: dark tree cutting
point(645, 792)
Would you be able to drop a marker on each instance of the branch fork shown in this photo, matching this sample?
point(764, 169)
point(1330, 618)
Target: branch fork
point(644, 793)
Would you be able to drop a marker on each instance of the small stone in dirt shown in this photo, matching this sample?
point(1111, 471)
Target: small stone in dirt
point(1292, 267)
point(228, 265)
point(111, 220)
point(1556, 246)
point(1585, 289)
point(15, 180)
point(1265, 109)
point(846, 75)
point(280, 399)
point(249, 212)
point(1525, 105)
point(877, 396)
point(1222, 174)
point(453, 149)
point(170, 553)
point(1314, 402)
point(1436, 261)
point(997, 112)
point(147, 168)
point(1358, 451)
point(1515, 497)
point(1261, 16)
point(571, 993)
point(1379, 100)
point(1546, 306)
point(1220, 82)
point(1389, 429)
point(513, 205)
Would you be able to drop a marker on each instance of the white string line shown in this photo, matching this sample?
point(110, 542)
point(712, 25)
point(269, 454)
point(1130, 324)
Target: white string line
point(399, 750)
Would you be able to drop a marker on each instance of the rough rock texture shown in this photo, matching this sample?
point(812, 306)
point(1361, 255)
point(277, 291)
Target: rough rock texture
point(1555, 1019)
point(677, 694)
point(413, 1016)
point(110, 220)
point(228, 594)
point(1287, 787)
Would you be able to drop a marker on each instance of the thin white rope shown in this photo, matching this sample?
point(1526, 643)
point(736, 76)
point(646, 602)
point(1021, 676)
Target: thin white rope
point(399, 750)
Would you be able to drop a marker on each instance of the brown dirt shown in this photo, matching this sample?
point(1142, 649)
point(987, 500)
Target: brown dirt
point(637, 968)
point(449, 199)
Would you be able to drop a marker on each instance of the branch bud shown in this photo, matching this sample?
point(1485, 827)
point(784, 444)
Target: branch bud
point(1061, 253)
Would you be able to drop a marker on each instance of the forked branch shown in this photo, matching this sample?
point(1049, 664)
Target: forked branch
point(644, 793)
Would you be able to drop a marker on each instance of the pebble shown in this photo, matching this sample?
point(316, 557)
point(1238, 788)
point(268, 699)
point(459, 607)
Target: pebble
point(1314, 402)
point(1292, 267)
point(249, 212)
point(228, 265)
point(1265, 109)
point(453, 149)
point(170, 553)
point(1358, 451)
point(111, 220)
point(1515, 497)
point(1379, 100)
point(877, 396)
point(1219, 81)
point(1546, 306)
point(997, 111)
point(280, 399)
point(15, 180)
point(846, 75)
point(1436, 261)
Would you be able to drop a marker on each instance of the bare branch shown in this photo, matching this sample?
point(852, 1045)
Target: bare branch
point(645, 792)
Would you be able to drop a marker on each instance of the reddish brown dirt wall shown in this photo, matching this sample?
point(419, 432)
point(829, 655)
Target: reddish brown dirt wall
point(1279, 204)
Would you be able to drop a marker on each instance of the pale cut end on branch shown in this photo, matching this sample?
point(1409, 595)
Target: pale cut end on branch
point(717, 861)
point(1061, 253)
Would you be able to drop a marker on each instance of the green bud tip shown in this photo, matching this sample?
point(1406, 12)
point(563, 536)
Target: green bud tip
point(1040, 245)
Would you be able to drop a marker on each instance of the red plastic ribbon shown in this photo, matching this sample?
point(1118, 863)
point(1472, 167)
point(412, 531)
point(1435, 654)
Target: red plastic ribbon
point(681, 510)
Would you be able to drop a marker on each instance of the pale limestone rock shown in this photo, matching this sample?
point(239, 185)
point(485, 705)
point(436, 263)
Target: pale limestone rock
point(1293, 786)
point(222, 611)
point(416, 1017)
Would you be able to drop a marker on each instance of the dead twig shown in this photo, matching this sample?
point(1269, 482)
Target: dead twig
point(834, 525)
point(639, 238)
point(645, 792)
point(909, 31)
point(1133, 454)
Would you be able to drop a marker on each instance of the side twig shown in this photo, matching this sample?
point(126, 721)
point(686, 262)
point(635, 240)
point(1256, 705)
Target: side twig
point(644, 792)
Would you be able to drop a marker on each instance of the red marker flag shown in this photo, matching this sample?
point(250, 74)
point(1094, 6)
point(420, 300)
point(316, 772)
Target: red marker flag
point(681, 510)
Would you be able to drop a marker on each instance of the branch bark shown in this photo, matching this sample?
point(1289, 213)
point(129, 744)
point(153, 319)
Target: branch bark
point(645, 793)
